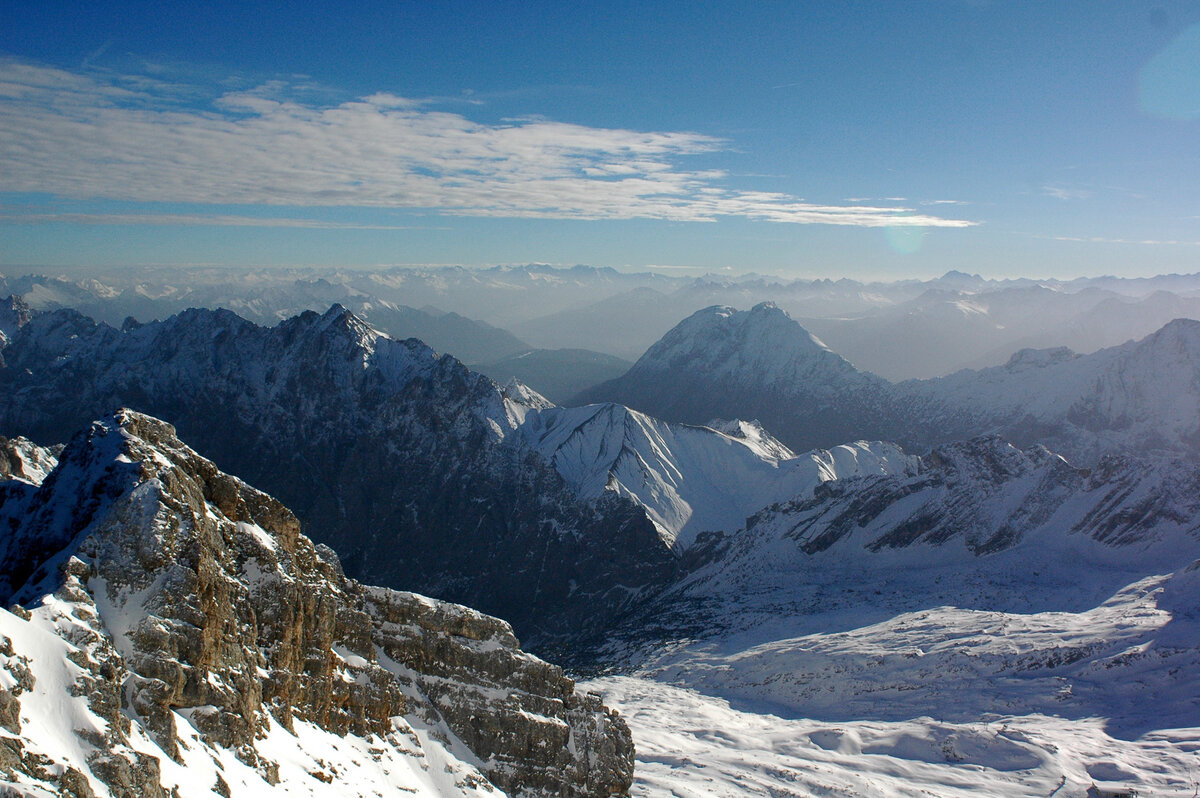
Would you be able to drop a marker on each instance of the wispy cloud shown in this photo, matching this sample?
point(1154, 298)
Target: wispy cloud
point(1066, 192)
point(130, 137)
point(1140, 241)
point(191, 219)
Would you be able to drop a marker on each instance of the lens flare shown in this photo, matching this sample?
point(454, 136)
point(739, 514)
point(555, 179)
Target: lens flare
point(1169, 84)
point(905, 239)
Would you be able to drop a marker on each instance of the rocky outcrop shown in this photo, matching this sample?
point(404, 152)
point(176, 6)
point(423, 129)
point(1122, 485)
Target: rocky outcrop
point(193, 608)
point(24, 460)
point(14, 314)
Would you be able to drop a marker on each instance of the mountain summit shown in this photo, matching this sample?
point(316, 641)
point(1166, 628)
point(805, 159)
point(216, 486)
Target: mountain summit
point(725, 363)
point(763, 343)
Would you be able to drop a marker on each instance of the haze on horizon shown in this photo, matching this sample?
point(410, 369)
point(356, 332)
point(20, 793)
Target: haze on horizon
point(858, 140)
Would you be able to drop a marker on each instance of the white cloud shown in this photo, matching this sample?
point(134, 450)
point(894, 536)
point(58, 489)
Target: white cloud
point(128, 138)
point(189, 219)
point(1066, 193)
point(1141, 241)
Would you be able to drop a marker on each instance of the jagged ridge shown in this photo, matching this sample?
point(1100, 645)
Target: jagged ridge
point(392, 455)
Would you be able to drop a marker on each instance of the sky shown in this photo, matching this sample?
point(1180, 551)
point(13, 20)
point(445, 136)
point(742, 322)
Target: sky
point(868, 140)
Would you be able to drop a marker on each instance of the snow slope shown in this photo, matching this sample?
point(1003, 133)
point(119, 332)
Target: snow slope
point(947, 701)
point(871, 640)
point(694, 745)
point(690, 479)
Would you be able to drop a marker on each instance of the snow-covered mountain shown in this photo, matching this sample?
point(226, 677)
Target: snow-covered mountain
point(391, 454)
point(175, 634)
point(720, 362)
point(691, 479)
point(1141, 397)
point(899, 330)
point(267, 301)
point(966, 505)
point(983, 618)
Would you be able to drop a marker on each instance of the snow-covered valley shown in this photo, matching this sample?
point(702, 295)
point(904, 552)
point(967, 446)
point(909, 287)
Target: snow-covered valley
point(917, 680)
point(692, 745)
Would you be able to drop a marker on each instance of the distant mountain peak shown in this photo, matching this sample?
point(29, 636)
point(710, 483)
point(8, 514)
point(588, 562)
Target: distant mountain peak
point(764, 336)
point(1176, 330)
point(723, 362)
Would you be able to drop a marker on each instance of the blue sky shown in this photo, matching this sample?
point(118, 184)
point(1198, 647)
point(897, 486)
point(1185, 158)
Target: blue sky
point(871, 140)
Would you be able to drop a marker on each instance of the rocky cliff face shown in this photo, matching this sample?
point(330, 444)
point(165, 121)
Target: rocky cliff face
point(14, 314)
point(195, 642)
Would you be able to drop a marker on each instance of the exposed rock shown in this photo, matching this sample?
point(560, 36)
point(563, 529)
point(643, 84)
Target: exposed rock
point(188, 597)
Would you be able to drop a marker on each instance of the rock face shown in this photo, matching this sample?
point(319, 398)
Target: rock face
point(393, 456)
point(203, 627)
point(14, 314)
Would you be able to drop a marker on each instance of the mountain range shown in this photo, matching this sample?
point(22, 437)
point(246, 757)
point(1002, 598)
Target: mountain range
point(391, 454)
point(952, 616)
point(898, 330)
point(1141, 397)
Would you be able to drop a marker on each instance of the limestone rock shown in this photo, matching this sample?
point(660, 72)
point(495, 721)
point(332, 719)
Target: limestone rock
point(194, 611)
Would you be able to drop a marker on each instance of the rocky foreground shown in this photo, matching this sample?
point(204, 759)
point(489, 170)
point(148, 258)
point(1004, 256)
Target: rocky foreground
point(172, 632)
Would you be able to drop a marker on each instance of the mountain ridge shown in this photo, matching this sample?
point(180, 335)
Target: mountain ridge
point(371, 440)
point(1084, 406)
